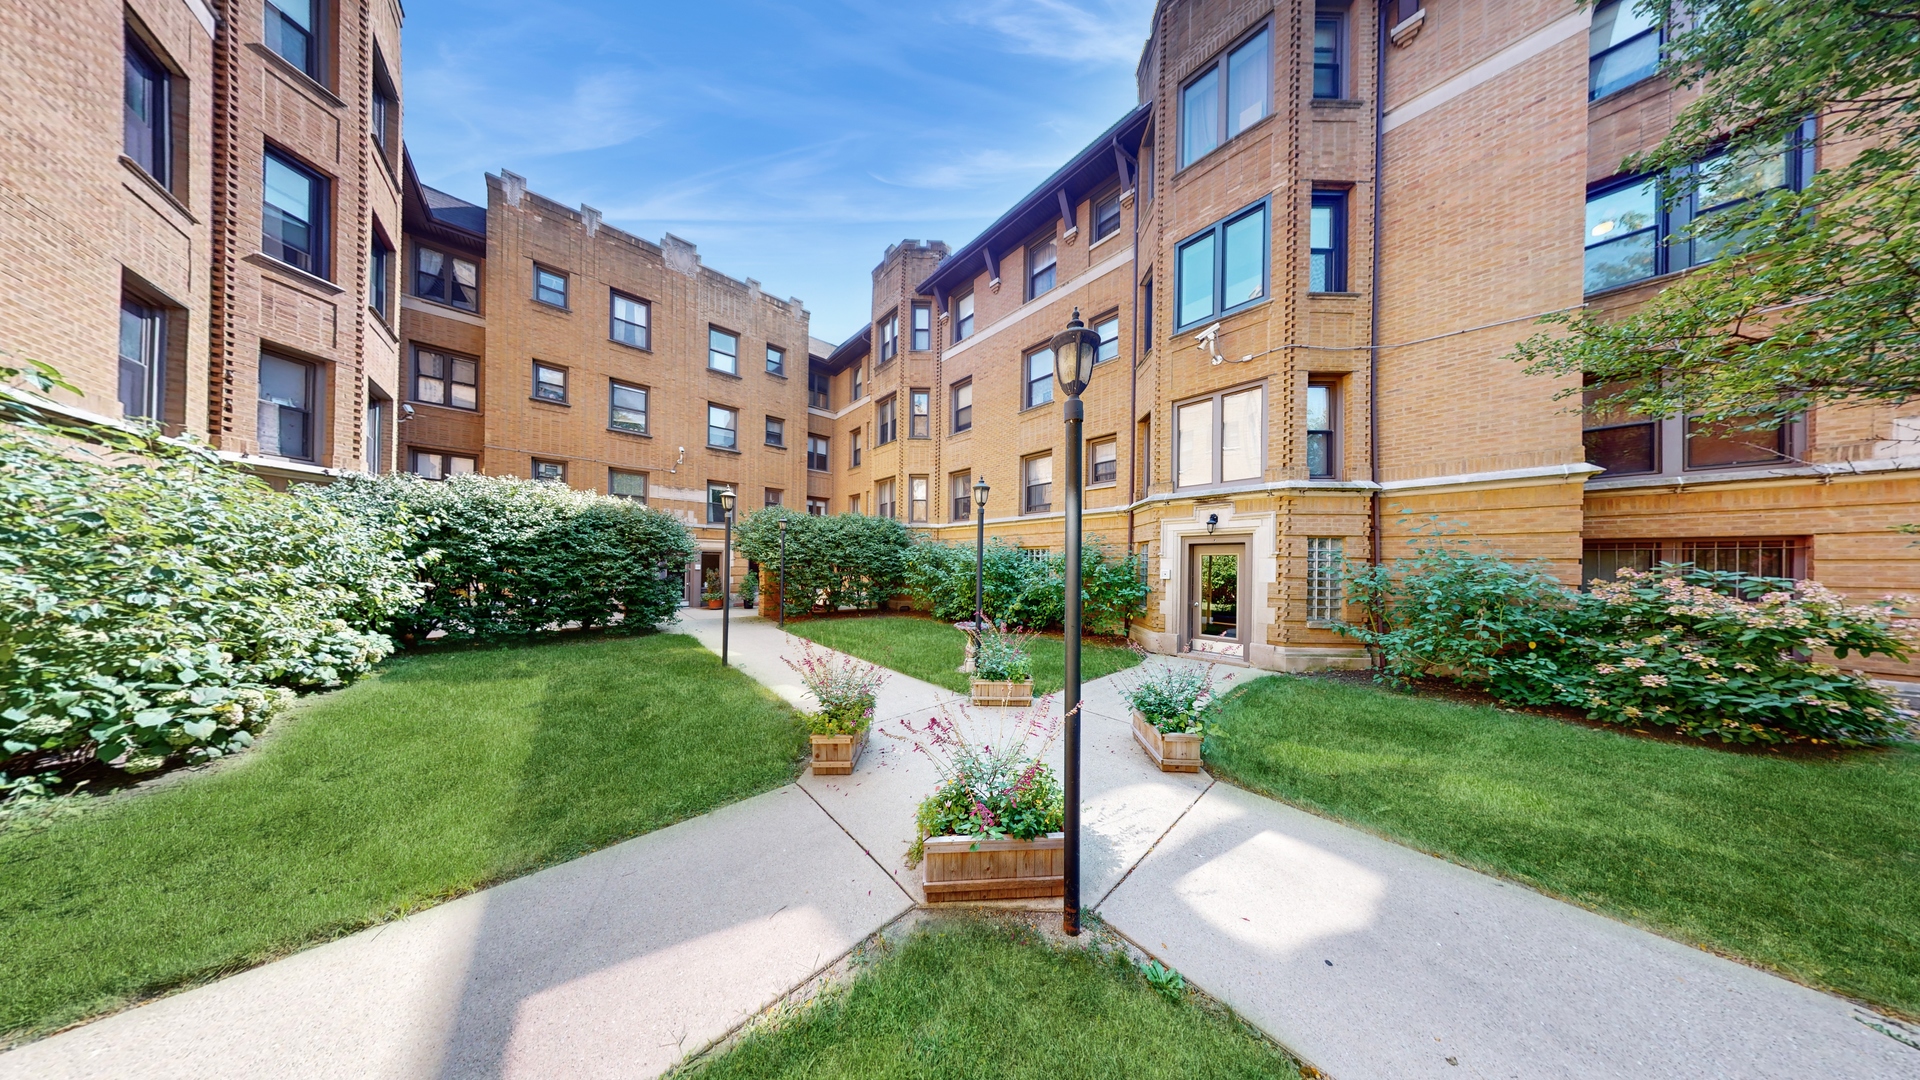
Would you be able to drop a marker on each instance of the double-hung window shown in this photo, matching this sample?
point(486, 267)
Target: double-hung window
point(853, 455)
point(1219, 439)
point(1625, 443)
point(623, 484)
point(962, 318)
point(1109, 331)
point(916, 498)
point(632, 321)
point(1222, 269)
point(1103, 461)
point(383, 107)
point(549, 472)
point(1038, 371)
point(293, 214)
point(716, 509)
point(883, 498)
point(856, 385)
point(922, 328)
point(1043, 259)
point(819, 390)
point(379, 278)
point(286, 408)
point(149, 112)
point(433, 465)
point(776, 432)
point(550, 286)
point(776, 361)
point(1036, 484)
point(290, 33)
point(819, 453)
point(1623, 46)
point(1329, 55)
point(723, 427)
point(1227, 98)
point(919, 414)
point(1322, 459)
point(143, 348)
point(723, 351)
point(441, 379)
point(960, 493)
point(818, 508)
point(774, 497)
point(887, 421)
point(889, 330)
point(1327, 242)
point(962, 406)
point(1106, 217)
point(627, 407)
point(448, 279)
point(549, 382)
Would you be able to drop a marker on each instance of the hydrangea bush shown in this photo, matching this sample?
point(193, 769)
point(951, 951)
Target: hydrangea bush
point(1175, 700)
point(846, 689)
point(995, 787)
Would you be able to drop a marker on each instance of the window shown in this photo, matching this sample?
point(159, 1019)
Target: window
point(774, 497)
point(448, 279)
point(919, 414)
point(819, 457)
point(723, 351)
point(1036, 484)
point(1042, 261)
point(888, 424)
point(716, 510)
point(819, 390)
point(1631, 236)
point(889, 329)
point(1103, 463)
point(627, 407)
point(549, 382)
point(1624, 443)
point(916, 498)
point(1223, 269)
point(1106, 217)
point(552, 472)
point(1227, 99)
point(853, 504)
point(143, 349)
point(962, 318)
point(1327, 242)
point(1616, 440)
point(550, 286)
point(960, 491)
point(1039, 376)
point(373, 447)
point(853, 461)
point(440, 379)
point(776, 432)
point(1718, 445)
point(290, 33)
point(292, 221)
point(1322, 453)
point(1109, 331)
point(723, 427)
point(434, 465)
point(1329, 56)
point(1218, 439)
point(883, 499)
point(1754, 556)
point(379, 275)
point(856, 382)
point(962, 406)
point(149, 112)
point(1623, 47)
point(818, 508)
point(1146, 314)
point(1325, 559)
point(627, 485)
point(922, 327)
point(286, 416)
point(383, 109)
point(776, 361)
point(632, 321)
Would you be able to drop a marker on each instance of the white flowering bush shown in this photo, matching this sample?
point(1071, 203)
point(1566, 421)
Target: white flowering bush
point(1173, 699)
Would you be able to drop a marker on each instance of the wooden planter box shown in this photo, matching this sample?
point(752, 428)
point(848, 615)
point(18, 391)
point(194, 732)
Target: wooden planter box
point(1173, 753)
point(990, 692)
point(976, 868)
point(837, 755)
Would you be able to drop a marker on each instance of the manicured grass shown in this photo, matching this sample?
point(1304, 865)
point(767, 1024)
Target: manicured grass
point(979, 999)
point(933, 651)
point(443, 773)
point(1804, 865)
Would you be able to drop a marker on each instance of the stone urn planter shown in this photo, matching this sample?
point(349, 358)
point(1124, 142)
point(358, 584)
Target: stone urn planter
point(837, 755)
point(979, 868)
point(1173, 753)
point(996, 692)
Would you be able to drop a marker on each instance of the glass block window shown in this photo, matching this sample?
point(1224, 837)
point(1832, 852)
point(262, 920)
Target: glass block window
point(1326, 559)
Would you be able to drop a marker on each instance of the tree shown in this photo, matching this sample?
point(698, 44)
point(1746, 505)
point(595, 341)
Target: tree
point(1820, 302)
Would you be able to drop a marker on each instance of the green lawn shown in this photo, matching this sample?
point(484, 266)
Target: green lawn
point(443, 773)
point(983, 1000)
point(1807, 866)
point(933, 651)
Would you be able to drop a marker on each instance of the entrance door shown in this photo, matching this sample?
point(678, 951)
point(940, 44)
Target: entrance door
point(1217, 575)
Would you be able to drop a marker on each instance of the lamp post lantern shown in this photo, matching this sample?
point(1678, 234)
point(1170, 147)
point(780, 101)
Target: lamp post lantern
point(980, 490)
point(1074, 351)
point(726, 572)
point(783, 573)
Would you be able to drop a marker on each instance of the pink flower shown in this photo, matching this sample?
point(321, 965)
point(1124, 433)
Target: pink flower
point(1653, 680)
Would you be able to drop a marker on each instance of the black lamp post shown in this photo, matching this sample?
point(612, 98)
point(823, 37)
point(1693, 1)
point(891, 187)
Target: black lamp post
point(1074, 351)
point(726, 572)
point(980, 490)
point(783, 573)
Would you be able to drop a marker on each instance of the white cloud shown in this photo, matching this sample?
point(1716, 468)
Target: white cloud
point(1096, 31)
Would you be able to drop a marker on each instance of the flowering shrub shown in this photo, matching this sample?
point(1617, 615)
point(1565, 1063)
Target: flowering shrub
point(996, 793)
point(846, 689)
point(1173, 699)
point(1002, 656)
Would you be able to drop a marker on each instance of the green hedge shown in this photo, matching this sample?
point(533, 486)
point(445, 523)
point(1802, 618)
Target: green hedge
point(1021, 589)
point(503, 558)
point(842, 561)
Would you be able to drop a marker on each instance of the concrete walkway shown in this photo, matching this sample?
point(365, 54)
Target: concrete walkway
point(1366, 958)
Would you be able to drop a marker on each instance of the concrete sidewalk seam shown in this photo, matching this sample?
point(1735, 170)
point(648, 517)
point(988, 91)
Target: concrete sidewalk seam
point(863, 848)
point(1156, 842)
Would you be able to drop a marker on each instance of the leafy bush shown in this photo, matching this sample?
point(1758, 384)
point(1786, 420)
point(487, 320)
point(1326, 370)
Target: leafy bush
point(845, 688)
point(1021, 589)
point(505, 558)
point(842, 561)
point(1173, 699)
point(1002, 657)
point(1705, 653)
point(157, 602)
point(984, 791)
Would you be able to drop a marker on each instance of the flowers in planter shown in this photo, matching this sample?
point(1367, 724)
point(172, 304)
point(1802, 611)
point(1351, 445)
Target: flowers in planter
point(1002, 656)
point(1173, 699)
point(998, 789)
point(845, 688)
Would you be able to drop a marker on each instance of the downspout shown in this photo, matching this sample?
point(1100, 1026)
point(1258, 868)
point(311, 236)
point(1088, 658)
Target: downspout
point(1373, 313)
point(1133, 374)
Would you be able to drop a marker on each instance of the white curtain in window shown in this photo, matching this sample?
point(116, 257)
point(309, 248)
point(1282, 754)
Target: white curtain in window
point(1240, 436)
point(1194, 467)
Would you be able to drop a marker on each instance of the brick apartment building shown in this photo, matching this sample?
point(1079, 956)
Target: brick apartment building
point(197, 215)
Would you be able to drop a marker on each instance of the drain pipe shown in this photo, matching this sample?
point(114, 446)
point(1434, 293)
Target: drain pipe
point(1373, 312)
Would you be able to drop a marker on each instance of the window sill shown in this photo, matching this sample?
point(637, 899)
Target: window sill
point(1659, 280)
point(631, 345)
point(262, 259)
point(1339, 294)
point(550, 401)
point(1102, 485)
point(1104, 239)
point(1228, 314)
point(473, 311)
point(723, 449)
point(1214, 154)
point(774, 446)
point(725, 374)
point(438, 405)
point(776, 375)
point(306, 81)
point(158, 188)
point(1036, 408)
point(630, 431)
point(550, 306)
point(1338, 103)
point(957, 432)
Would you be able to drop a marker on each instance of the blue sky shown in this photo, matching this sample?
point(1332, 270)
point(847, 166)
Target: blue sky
point(791, 141)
